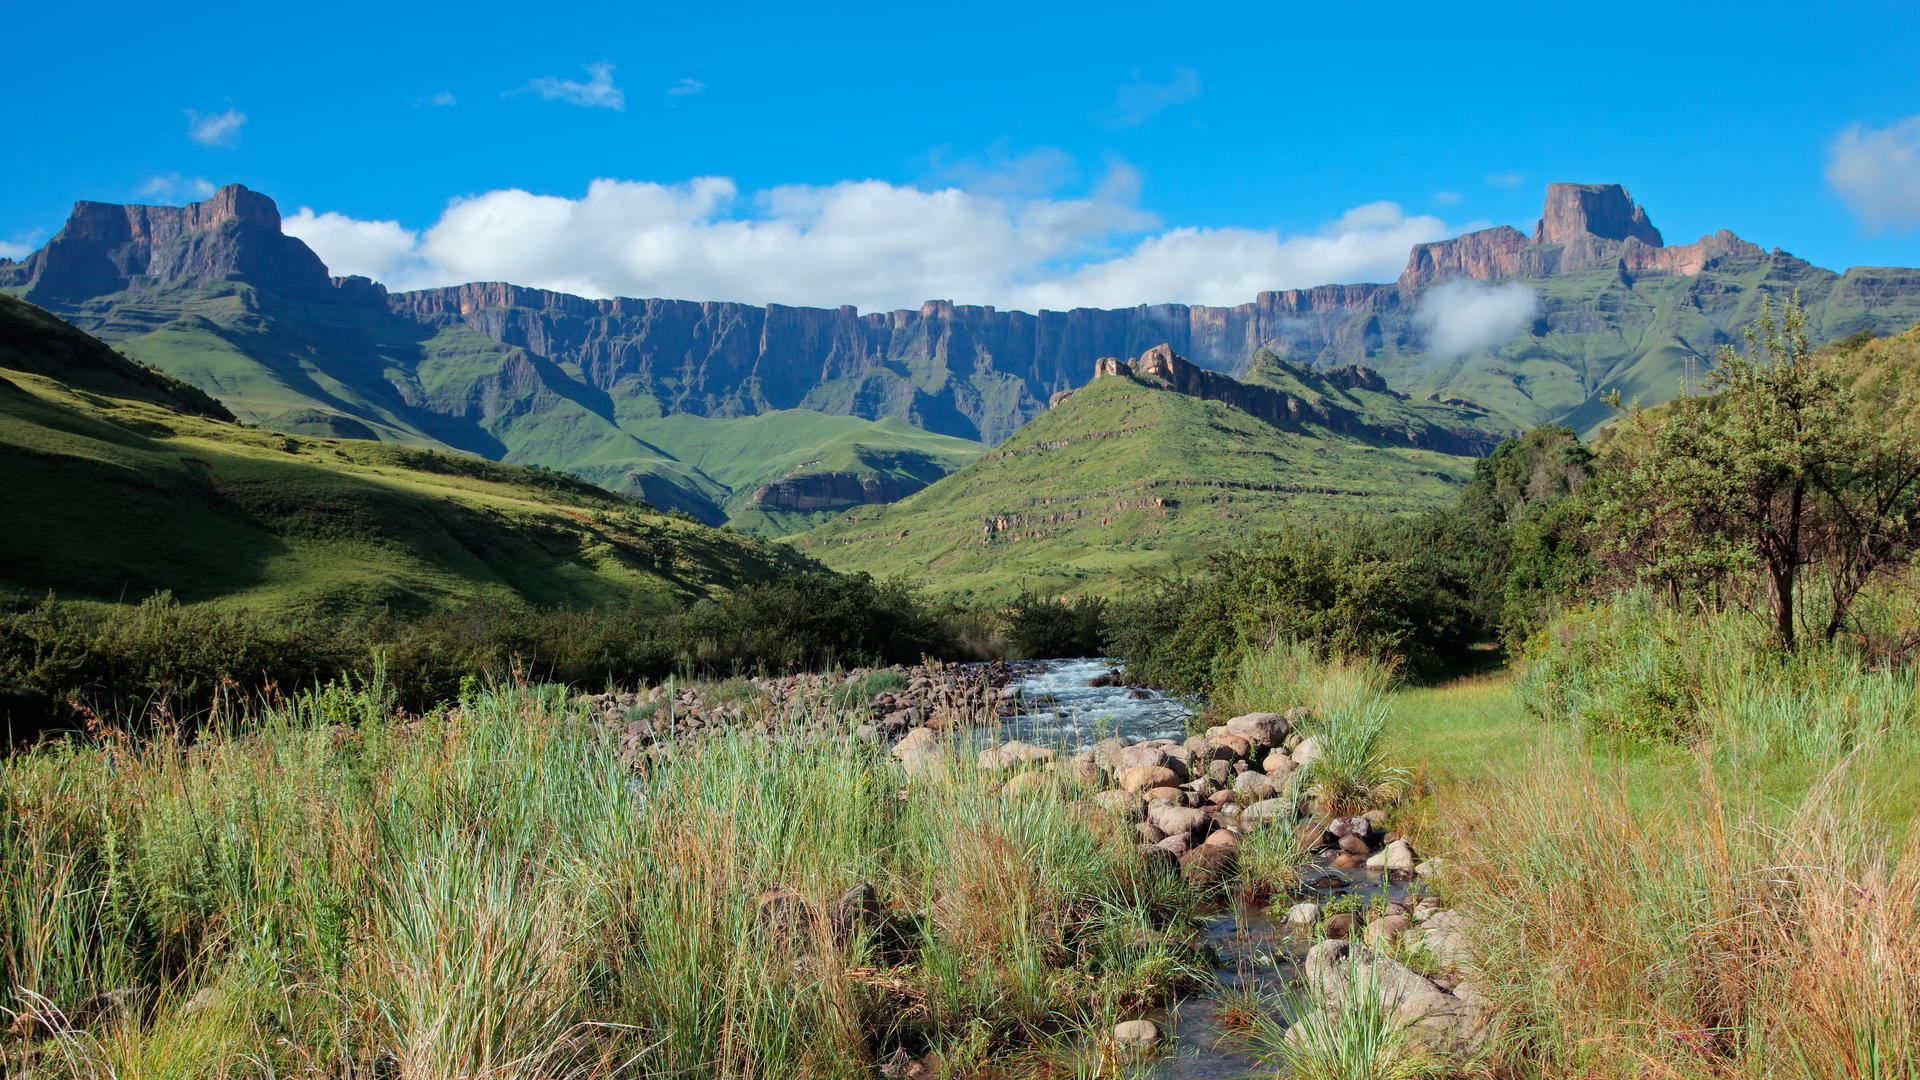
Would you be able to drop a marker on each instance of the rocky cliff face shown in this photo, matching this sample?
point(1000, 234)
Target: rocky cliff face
point(833, 491)
point(1582, 227)
point(107, 248)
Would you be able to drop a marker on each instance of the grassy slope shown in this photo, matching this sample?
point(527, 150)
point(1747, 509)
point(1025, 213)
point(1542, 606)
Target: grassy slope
point(1600, 330)
point(331, 370)
point(746, 452)
point(112, 496)
point(1062, 479)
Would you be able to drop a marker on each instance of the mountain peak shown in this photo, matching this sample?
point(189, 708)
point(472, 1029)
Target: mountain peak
point(1574, 211)
point(106, 248)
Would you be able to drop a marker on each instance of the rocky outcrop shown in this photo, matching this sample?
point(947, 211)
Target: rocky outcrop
point(1582, 227)
point(1605, 211)
point(834, 491)
point(1161, 367)
point(106, 248)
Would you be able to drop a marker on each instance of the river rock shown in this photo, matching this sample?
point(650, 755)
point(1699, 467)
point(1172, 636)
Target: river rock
point(1174, 820)
point(920, 752)
point(1264, 728)
point(1124, 805)
point(1276, 763)
point(1014, 753)
point(1137, 778)
point(1307, 752)
point(1136, 1033)
point(1208, 865)
point(1176, 843)
point(1302, 915)
point(1267, 811)
point(1387, 929)
point(1142, 755)
point(1026, 784)
point(1400, 857)
point(1253, 786)
point(1106, 752)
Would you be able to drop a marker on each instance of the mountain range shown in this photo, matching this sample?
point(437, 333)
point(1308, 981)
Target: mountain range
point(775, 418)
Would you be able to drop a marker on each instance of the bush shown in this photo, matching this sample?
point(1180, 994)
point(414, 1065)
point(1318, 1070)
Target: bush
point(1041, 626)
point(1363, 589)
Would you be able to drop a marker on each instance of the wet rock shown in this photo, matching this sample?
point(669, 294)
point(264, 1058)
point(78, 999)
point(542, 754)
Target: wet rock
point(1401, 857)
point(1353, 845)
point(1347, 861)
point(1302, 915)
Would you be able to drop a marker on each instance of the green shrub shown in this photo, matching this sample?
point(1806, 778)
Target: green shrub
point(1042, 626)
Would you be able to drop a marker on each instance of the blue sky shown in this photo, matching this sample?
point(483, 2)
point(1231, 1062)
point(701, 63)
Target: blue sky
point(1022, 155)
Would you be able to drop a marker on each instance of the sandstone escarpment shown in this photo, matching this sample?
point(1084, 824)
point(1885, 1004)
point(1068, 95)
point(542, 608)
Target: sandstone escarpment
point(1581, 227)
point(834, 491)
point(106, 248)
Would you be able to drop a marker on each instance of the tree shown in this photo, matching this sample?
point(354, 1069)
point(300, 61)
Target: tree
point(1778, 472)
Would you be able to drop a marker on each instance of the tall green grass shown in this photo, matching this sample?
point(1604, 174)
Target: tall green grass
point(1350, 708)
point(491, 892)
point(1641, 669)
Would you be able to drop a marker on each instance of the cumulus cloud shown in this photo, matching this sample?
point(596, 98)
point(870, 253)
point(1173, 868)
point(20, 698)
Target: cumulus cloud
point(1141, 100)
point(1460, 316)
point(685, 87)
point(216, 129)
point(172, 185)
point(868, 243)
point(596, 93)
point(1876, 172)
point(376, 249)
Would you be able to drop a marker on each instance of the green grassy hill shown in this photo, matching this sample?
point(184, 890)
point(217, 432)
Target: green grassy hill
point(1124, 476)
point(121, 482)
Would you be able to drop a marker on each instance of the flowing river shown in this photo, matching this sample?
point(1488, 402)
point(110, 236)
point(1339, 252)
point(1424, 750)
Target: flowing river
point(1252, 951)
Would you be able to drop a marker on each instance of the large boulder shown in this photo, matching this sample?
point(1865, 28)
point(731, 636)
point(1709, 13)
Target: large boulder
point(1137, 778)
point(1264, 728)
point(1435, 1020)
point(920, 752)
point(1013, 754)
point(1124, 805)
point(1174, 819)
point(1267, 812)
point(1106, 752)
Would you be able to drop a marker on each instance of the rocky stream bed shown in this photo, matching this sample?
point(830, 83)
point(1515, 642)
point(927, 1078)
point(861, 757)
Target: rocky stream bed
point(1364, 913)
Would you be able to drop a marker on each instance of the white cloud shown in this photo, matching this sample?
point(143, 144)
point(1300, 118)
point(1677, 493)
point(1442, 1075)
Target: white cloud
point(173, 185)
point(1446, 198)
point(1460, 316)
point(685, 87)
point(15, 251)
point(1140, 100)
point(1507, 179)
point(868, 243)
point(443, 99)
point(218, 129)
point(1876, 172)
point(348, 246)
point(596, 93)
